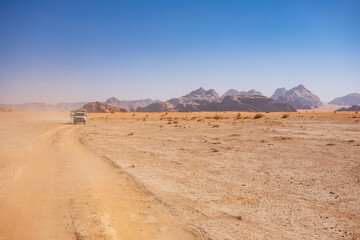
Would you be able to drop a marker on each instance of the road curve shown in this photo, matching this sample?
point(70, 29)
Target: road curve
point(63, 191)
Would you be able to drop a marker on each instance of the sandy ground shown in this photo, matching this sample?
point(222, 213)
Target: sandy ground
point(180, 176)
point(53, 187)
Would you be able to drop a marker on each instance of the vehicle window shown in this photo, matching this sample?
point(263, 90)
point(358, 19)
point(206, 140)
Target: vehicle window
point(80, 114)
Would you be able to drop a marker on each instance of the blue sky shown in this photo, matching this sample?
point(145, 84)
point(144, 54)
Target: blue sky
point(53, 51)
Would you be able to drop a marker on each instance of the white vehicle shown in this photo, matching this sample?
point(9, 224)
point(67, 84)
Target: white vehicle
point(80, 117)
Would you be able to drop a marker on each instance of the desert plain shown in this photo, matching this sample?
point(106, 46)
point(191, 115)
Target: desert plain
point(223, 175)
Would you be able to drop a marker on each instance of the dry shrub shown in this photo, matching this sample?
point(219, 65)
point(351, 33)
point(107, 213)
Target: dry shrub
point(133, 114)
point(200, 119)
point(176, 121)
point(130, 134)
point(144, 119)
point(259, 115)
point(216, 126)
point(193, 118)
point(214, 149)
point(218, 117)
point(207, 117)
point(238, 116)
point(169, 122)
point(285, 116)
point(246, 117)
point(283, 138)
point(169, 118)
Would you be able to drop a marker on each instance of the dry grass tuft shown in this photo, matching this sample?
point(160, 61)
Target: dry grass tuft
point(218, 117)
point(285, 116)
point(216, 126)
point(259, 115)
point(238, 116)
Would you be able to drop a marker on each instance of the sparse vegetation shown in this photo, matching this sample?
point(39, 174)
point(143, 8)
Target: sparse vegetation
point(215, 149)
point(216, 126)
point(238, 116)
point(285, 116)
point(218, 117)
point(259, 115)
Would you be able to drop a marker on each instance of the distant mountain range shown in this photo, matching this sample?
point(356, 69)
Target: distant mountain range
point(44, 106)
point(299, 97)
point(205, 100)
point(348, 100)
point(233, 92)
point(208, 100)
point(352, 108)
point(131, 105)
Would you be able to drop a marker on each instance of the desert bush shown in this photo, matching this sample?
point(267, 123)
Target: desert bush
point(193, 118)
point(216, 126)
point(176, 121)
point(133, 114)
point(238, 116)
point(200, 119)
point(130, 134)
point(217, 117)
point(207, 117)
point(334, 111)
point(169, 118)
point(356, 112)
point(214, 149)
point(258, 115)
point(285, 116)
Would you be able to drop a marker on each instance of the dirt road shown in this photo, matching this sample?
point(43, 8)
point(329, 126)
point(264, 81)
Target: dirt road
point(57, 189)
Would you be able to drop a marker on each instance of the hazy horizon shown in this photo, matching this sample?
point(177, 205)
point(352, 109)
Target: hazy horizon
point(71, 51)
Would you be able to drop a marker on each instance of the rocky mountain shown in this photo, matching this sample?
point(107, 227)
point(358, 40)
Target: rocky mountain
point(97, 107)
point(280, 92)
point(35, 106)
point(349, 109)
point(245, 103)
point(234, 92)
point(299, 97)
point(198, 95)
point(157, 107)
point(348, 100)
point(129, 105)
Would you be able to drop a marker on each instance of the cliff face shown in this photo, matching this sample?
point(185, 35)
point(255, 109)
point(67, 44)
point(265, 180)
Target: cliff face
point(299, 97)
point(234, 92)
point(244, 103)
point(97, 107)
point(348, 100)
